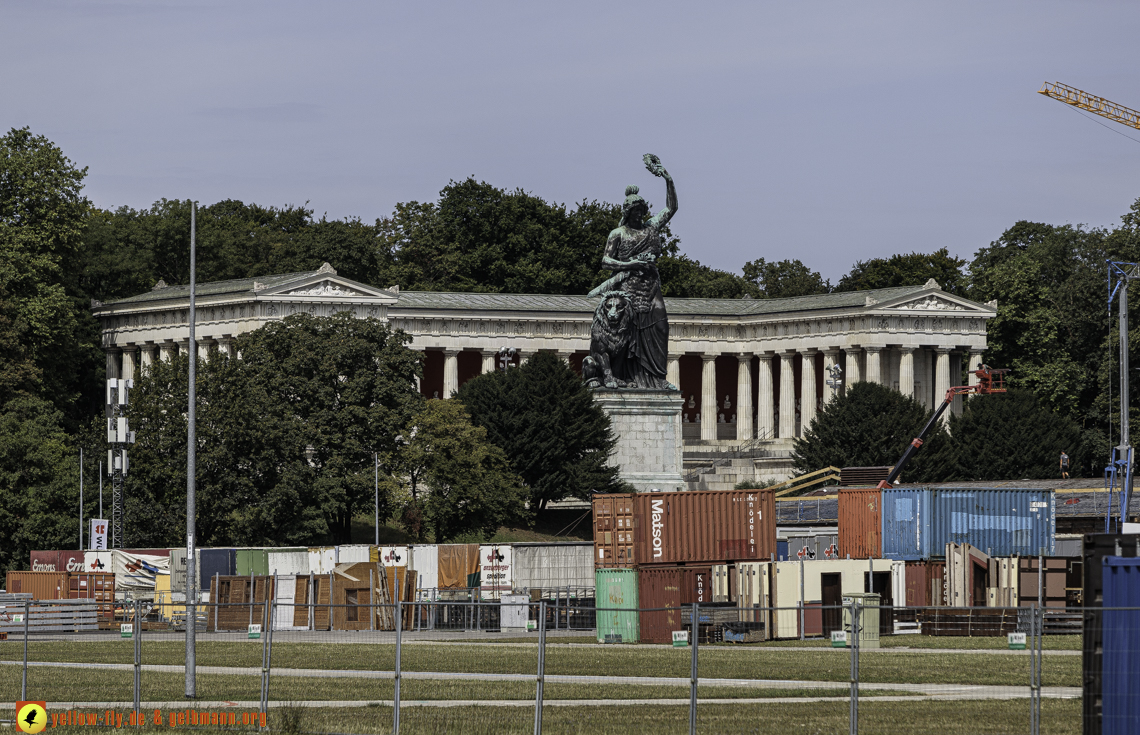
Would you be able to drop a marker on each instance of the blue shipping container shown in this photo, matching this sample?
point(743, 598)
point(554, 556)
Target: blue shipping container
point(222, 562)
point(919, 522)
point(1120, 667)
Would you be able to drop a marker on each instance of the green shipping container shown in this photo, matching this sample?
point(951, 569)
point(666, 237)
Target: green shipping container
point(252, 561)
point(616, 596)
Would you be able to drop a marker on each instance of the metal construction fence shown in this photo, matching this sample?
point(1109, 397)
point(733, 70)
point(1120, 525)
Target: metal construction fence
point(490, 666)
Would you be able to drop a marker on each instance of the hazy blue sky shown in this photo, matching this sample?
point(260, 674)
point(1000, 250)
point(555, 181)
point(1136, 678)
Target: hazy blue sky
point(824, 131)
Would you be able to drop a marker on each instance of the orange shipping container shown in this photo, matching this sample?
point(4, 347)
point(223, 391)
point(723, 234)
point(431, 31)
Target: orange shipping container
point(860, 523)
point(41, 585)
point(613, 531)
point(704, 526)
point(668, 589)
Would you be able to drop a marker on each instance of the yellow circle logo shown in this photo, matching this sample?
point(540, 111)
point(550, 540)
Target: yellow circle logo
point(31, 717)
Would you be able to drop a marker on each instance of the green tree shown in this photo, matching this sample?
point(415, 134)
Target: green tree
point(908, 270)
point(682, 277)
point(39, 482)
point(870, 426)
point(785, 278)
point(1010, 436)
point(286, 434)
point(545, 419)
point(470, 488)
point(43, 347)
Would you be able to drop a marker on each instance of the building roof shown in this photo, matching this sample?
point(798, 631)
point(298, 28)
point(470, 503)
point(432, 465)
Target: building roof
point(464, 301)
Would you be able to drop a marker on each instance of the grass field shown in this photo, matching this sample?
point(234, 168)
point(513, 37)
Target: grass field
point(810, 664)
point(875, 718)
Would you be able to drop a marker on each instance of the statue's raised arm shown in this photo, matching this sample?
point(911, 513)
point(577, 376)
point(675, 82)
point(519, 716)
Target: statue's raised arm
point(655, 167)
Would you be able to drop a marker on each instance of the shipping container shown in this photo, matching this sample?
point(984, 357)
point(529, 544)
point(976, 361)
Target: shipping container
point(860, 523)
point(57, 561)
point(99, 587)
point(553, 566)
point(1096, 547)
point(322, 559)
point(252, 561)
point(220, 562)
point(1056, 571)
point(99, 561)
point(924, 583)
point(353, 553)
point(704, 526)
point(292, 561)
point(40, 585)
point(389, 556)
point(458, 566)
point(662, 591)
point(496, 565)
point(919, 522)
point(424, 558)
point(1120, 673)
point(613, 531)
point(178, 568)
point(617, 599)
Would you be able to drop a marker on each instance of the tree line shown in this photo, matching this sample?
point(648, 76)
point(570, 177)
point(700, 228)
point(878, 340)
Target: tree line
point(58, 253)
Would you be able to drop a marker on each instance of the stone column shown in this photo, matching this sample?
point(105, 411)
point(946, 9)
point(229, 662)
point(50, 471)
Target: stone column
point(974, 363)
point(765, 403)
point(204, 349)
point(673, 369)
point(956, 379)
point(874, 365)
point(851, 372)
point(146, 357)
point(808, 400)
point(450, 373)
point(113, 363)
point(906, 371)
point(129, 361)
point(941, 378)
point(564, 357)
point(167, 350)
point(708, 398)
point(787, 395)
point(183, 347)
point(488, 360)
point(830, 357)
point(744, 396)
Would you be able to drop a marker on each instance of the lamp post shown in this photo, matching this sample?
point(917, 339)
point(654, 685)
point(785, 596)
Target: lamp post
point(835, 378)
point(507, 357)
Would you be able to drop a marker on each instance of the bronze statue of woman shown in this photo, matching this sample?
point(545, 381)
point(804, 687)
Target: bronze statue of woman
point(632, 250)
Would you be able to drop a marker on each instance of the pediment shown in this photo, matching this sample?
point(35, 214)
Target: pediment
point(326, 285)
point(932, 300)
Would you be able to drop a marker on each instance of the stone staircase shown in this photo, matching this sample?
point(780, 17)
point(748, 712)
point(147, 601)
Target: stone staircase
point(719, 470)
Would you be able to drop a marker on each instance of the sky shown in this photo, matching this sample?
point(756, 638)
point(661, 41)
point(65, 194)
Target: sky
point(828, 132)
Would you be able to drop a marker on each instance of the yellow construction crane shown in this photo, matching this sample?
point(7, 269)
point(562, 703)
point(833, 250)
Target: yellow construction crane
point(1092, 103)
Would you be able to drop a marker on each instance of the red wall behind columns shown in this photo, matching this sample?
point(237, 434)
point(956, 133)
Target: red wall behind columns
point(725, 385)
point(690, 368)
point(432, 381)
point(470, 365)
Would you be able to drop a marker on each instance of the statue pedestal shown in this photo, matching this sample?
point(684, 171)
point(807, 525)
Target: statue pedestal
point(647, 424)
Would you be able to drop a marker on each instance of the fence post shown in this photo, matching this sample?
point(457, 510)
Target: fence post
point(264, 652)
point(138, 660)
point(695, 635)
point(802, 621)
point(396, 675)
point(541, 666)
point(24, 683)
point(854, 644)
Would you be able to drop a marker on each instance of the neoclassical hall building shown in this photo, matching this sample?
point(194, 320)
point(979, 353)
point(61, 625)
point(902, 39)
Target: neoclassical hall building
point(750, 370)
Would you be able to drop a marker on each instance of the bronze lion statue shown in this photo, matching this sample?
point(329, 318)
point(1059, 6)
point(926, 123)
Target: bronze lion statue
point(610, 335)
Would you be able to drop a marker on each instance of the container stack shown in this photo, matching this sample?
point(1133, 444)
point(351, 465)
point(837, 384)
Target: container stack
point(671, 542)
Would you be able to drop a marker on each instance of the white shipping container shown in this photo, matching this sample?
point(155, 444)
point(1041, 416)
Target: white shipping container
point(495, 567)
point(99, 561)
point(424, 558)
point(353, 553)
point(322, 559)
point(393, 556)
point(288, 562)
point(553, 566)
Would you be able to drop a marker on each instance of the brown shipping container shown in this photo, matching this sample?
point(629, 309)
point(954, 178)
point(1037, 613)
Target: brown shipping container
point(613, 531)
point(860, 523)
point(924, 581)
point(704, 526)
point(97, 586)
point(41, 585)
point(669, 588)
point(57, 561)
